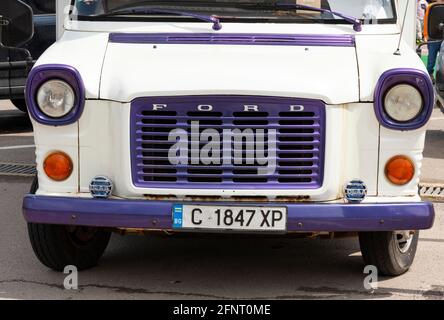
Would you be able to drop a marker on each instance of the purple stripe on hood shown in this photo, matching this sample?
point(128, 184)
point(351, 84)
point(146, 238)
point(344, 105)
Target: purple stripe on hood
point(235, 39)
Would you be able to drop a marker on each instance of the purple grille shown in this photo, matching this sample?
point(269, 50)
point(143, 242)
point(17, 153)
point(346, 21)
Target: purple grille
point(299, 142)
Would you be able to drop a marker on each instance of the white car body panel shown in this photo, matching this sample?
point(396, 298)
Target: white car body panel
point(376, 54)
point(48, 139)
point(112, 159)
point(83, 50)
point(168, 70)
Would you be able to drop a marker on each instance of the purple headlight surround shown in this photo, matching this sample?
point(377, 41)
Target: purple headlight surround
point(43, 73)
point(414, 77)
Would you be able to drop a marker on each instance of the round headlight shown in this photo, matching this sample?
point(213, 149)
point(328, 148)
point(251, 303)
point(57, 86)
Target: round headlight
point(403, 103)
point(55, 98)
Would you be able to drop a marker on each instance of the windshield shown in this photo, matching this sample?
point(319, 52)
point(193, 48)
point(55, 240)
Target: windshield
point(369, 11)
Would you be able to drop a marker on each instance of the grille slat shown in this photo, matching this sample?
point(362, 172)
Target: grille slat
point(239, 117)
point(307, 145)
point(182, 125)
point(295, 150)
point(304, 157)
point(224, 175)
point(294, 133)
point(299, 142)
point(228, 168)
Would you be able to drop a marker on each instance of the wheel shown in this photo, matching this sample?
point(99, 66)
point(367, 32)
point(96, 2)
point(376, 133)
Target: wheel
point(20, 104)
point(391, 252)
point(58, 246)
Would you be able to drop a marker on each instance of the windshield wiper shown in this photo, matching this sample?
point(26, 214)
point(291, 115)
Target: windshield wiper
point(357, 24)
point(213, 19)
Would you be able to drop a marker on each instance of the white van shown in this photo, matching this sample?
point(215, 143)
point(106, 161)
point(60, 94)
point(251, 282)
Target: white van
point(231, 116)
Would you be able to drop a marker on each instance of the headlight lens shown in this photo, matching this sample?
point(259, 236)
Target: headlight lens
point(56, 98)
point(403, 103)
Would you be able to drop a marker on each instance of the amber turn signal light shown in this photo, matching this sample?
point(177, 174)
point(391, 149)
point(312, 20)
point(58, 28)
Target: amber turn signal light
point(58, 166)
point(400, 170)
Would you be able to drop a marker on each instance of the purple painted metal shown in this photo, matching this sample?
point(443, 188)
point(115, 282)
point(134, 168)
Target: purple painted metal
point(43, 73)
point(417, 78)
point(236, 39)
point(300, 142)
point(158, 214)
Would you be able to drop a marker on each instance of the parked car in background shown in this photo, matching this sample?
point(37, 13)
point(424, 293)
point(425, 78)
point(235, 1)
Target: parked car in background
point(13, 75)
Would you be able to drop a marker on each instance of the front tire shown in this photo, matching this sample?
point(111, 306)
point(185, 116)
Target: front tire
point(58, 246)
point(391, 252)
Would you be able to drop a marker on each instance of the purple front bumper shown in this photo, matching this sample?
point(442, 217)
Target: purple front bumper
point(158, 214)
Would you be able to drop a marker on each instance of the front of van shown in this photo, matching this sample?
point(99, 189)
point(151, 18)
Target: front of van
point(343, 111)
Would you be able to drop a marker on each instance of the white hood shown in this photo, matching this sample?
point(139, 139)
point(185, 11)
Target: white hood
point(328, 73)
point(124, 71)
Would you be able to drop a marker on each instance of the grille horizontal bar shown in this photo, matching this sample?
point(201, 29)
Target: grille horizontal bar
point(298, 145)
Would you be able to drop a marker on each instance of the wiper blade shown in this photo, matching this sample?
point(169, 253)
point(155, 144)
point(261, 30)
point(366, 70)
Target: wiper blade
point(357, 24)
point(213, 19)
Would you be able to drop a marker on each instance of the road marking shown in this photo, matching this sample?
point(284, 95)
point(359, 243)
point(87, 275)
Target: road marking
point(24, 134)
point(436, 119)
point(18, 147)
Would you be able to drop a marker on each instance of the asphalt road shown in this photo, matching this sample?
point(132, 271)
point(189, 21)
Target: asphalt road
point(201, 267)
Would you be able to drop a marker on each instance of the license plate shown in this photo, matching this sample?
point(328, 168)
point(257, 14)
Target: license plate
point(263, 219)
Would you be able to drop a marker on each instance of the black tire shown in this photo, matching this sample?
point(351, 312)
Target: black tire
point(20, 104)
point(384, 251)
point(58, 246)
point(34, 185)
